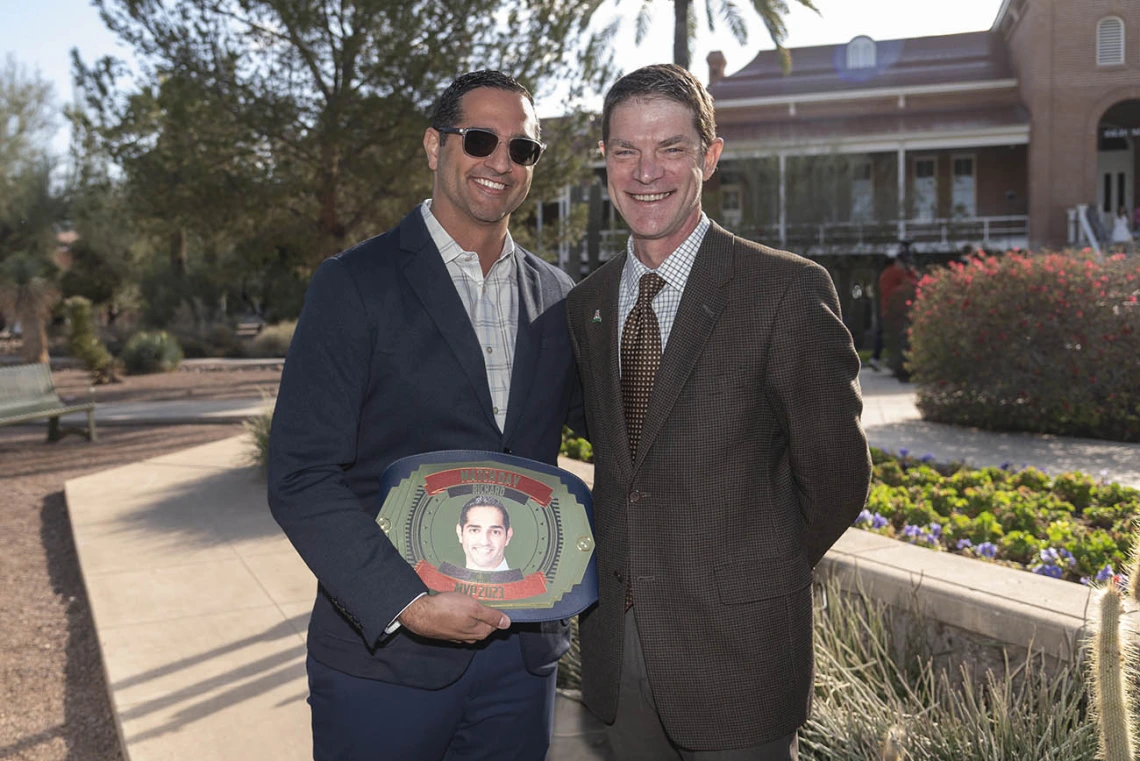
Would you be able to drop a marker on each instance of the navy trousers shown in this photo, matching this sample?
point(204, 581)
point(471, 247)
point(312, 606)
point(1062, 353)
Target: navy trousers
point(496, 710)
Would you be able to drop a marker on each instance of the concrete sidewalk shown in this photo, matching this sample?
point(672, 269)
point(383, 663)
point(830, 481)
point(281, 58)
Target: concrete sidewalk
point(893, 422)
point(179, 412)
point(201, 604)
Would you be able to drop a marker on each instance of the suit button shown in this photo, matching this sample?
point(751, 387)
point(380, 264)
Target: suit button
point(634, 495)
point(619, 577)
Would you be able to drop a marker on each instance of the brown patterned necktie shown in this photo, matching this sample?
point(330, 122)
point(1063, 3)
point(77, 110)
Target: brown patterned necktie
point(640, 356)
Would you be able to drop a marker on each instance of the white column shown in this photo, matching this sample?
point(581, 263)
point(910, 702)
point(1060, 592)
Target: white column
point(902, 192)
point(783, 202)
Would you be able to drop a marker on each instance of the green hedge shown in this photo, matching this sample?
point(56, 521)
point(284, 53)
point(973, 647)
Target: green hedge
point(1048, 343)
point(1069, 526)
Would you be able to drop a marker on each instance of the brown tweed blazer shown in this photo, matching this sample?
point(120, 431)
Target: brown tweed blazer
point(752, 463)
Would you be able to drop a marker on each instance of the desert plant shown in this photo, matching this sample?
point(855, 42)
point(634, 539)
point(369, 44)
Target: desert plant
point(84, 341)
point(258, 429)
point(272, 341)
point(151, 352)
point(1045, 343)
point(1110, 665)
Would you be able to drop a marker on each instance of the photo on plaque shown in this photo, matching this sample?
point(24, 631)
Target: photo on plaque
point(514, 533)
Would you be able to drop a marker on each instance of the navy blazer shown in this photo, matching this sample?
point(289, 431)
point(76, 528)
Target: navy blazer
point(384, 363)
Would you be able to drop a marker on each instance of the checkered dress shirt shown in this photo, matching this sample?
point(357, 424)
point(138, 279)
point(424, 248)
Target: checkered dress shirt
point(674, 271)
point(492, 303)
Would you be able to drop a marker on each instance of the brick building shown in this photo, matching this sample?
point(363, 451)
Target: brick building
point(1021, 135)
point(981, 139)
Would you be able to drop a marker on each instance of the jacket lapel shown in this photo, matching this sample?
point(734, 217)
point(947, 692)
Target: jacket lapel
point(701, 304)
point(428, 277)
point(603, 347)
point(527, 342)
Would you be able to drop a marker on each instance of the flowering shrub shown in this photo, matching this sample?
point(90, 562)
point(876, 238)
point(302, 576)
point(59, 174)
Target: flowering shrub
point(1068, 527)
point(1048, 343)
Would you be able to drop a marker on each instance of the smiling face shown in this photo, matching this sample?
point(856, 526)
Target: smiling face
point(656, 167)
point(484, 537)
point(471, 196)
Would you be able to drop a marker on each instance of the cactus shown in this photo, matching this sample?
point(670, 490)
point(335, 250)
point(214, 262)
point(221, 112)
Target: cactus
point(1112, 655)
point(892, 749)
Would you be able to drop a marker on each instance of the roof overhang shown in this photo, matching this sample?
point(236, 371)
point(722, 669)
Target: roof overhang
point(1014, 134)
point(875, 92)
point(1000, 15)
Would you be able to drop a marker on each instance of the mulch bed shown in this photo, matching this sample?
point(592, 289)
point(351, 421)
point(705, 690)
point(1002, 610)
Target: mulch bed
point(54, 703)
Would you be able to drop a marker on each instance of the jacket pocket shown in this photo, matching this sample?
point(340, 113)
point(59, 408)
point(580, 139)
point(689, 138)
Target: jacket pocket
point(763, 579)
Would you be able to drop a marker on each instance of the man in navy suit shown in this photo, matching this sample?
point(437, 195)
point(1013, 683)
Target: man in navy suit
point(439, 334)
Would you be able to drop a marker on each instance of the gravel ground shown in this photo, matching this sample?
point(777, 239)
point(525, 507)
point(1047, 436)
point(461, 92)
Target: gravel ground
point(53, 694)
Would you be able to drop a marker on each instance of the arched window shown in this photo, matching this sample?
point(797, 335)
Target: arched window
point(1110, 41)
point(861, 53)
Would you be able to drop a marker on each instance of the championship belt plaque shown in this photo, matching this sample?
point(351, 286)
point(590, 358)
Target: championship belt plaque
point(515, 534)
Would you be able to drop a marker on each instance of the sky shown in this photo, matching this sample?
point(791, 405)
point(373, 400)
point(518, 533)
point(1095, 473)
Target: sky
point(41, 33)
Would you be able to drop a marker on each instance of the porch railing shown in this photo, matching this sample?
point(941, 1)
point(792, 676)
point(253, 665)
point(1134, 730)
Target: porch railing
point(868, 237)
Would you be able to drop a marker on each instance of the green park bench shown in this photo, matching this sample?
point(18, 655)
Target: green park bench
point(28, 393)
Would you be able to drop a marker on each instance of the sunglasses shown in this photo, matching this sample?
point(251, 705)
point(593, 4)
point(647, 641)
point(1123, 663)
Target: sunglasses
point(480, 143)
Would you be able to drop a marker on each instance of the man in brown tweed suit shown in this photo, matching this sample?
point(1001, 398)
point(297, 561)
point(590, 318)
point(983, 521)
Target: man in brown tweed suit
point(728, 450)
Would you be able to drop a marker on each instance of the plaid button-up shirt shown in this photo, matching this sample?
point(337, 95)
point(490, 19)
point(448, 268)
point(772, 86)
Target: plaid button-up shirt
point(674, 271)
point(492, 304)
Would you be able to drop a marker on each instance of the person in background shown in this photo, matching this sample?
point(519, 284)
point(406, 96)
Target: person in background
point(898, 272)
point(1121, 231)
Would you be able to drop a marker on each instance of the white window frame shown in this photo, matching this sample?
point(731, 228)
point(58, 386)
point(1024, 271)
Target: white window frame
point(1110, 41)
point(972, 209)
point(931, 213)
point(858, 212)
point(861, 53)
point(731, 216)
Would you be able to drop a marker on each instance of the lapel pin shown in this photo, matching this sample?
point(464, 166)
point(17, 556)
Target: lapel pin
point(597, 315)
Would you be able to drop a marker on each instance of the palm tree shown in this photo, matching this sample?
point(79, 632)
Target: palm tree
point(28, 293)
point(771, 12)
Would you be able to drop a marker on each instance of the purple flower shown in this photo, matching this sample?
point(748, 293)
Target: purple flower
point(911, 531)
point(964, 544)
point(1049, 556)
point(904, 452)
point(987, 549)
point(927, 457)
point(1049, 570)
point(1067, 557)
point(864, 517)
point(878, 521)
point(1007, 465)
point(1104, 574)
point(936, 530)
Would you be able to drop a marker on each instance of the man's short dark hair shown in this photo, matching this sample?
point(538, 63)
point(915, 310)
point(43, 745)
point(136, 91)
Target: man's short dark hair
point(484, 501)
point(664, 80)
point(448, 111)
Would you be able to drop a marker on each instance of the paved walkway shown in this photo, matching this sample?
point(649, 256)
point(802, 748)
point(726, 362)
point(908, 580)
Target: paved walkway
point(201, 604)
point(893, 423)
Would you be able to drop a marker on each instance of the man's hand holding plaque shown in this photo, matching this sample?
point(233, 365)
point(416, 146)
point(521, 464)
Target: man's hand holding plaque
point(452, 616)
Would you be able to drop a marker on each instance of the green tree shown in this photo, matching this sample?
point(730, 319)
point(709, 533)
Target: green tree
point(282, 131)
point(30, 210)
point(685, 24)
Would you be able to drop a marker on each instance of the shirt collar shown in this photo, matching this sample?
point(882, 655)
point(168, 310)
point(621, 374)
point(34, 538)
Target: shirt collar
point(676, 267)
point(448, 248)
